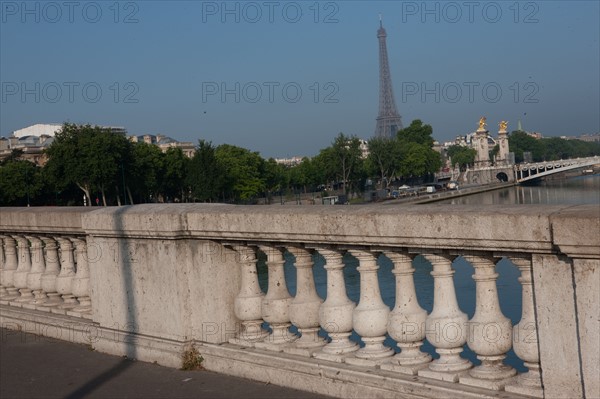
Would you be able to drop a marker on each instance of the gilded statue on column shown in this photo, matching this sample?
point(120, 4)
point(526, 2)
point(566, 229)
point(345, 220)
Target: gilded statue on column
point(482, 123)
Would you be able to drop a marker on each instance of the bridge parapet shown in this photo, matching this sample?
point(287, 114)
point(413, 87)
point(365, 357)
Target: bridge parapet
point(530, 171)
point(151, 281)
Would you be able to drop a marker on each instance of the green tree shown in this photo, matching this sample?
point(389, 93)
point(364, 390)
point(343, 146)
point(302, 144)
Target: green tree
point(346, 155)
point(418, 133)
point(90, 157)
point(384, 158)
point(417, 156)
point(520, 142)
point(21, 183)
point(242, 168)
point(147, 170)
point(176, 166)
point(205, 173)
point(461, 155)
point(275, 176)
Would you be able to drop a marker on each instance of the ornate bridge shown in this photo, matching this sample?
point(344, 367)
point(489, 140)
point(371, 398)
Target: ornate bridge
point(531, 171)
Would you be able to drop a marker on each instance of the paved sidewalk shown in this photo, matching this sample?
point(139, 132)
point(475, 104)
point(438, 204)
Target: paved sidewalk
point(39, 367)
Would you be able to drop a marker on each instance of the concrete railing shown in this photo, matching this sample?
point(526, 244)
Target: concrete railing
point(153, 281)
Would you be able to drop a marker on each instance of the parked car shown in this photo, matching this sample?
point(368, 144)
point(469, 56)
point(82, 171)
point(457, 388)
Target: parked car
point(453, 185)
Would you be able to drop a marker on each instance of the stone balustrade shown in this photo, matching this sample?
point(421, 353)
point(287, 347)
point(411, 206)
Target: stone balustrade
point(150, 281)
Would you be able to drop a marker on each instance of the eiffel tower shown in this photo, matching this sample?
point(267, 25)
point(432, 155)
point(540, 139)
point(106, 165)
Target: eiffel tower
point(388, 121)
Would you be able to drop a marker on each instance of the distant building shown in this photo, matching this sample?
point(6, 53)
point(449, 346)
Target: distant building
point(164, 143)
point(293, 161)
point(535, 135)
point(38, 130)
point(33, 140)
point(590, 138)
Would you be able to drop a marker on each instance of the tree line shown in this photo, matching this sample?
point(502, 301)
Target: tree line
point(103, 168)
point(91, 164)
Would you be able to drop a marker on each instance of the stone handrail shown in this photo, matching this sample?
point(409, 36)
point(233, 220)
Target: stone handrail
point(153, 280)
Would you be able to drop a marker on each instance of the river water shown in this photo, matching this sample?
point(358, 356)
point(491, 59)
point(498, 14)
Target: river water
point(578, 190)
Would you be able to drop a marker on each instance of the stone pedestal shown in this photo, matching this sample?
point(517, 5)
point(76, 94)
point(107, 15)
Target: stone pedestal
point(275, 304)
point(38, 267)
point(248, 302)
point(525, 342)
point(371, 315)
point(48, 279)
point(20, 275)
point(446, 325)
point(10, 266)
point(489, 331)
point(335, 314)
point(407, 321)
point(304, 308)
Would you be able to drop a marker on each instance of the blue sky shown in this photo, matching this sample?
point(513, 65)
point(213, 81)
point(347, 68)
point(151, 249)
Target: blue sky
point(283, 78)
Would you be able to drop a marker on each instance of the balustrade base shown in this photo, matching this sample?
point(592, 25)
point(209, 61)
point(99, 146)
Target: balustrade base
point(305, 352)
point(333, 357)
point(270, 346)
point(496, 385)
point(449, 376)
point(26, 296)
point(359, 361)
point(536, 392)
point(403, 369)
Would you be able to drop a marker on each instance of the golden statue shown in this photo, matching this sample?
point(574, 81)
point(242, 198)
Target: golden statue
point(482, 123)
point(503, 125)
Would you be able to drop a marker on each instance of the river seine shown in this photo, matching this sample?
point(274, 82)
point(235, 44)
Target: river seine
point(573, 191)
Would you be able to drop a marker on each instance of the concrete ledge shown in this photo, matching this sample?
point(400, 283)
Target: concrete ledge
point(509, 228)
point(339, 380)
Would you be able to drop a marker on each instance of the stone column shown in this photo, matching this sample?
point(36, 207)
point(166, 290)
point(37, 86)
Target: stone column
point(81, 281)
point(249, 300)
point(525, 342)
point(335, 314)
point(48, 279)
point(503, 147)
point(490, 332)
point(38, 267)
point(20, 276)
point(3, 291)
point(407, 321)
point(10, 266)
point(64, 280)
point(304, 308)
point(446, 325)
point(370, 317)
point(480, 143)
point(276, 303)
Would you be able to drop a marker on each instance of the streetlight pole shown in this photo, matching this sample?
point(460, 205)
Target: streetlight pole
point(123, 176)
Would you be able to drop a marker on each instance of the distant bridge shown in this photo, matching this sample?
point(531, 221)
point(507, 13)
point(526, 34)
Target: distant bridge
point(531, 171)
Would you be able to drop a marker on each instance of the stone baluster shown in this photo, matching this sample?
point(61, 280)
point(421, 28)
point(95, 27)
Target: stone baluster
point(10, 266)
point(407, 321)
point(489, 332)
point(525, 342)
point(81, 281)
point(3, 291)
point(335, 314)
point(446, 325)
point(248, 302)
point(38, 267)
point(370, 317)
point(20, 276)
point(64, 280)
point(304, 308)
point(48, 279)
point(276, 303)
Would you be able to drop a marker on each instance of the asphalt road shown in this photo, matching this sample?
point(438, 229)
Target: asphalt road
point(39, 367)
